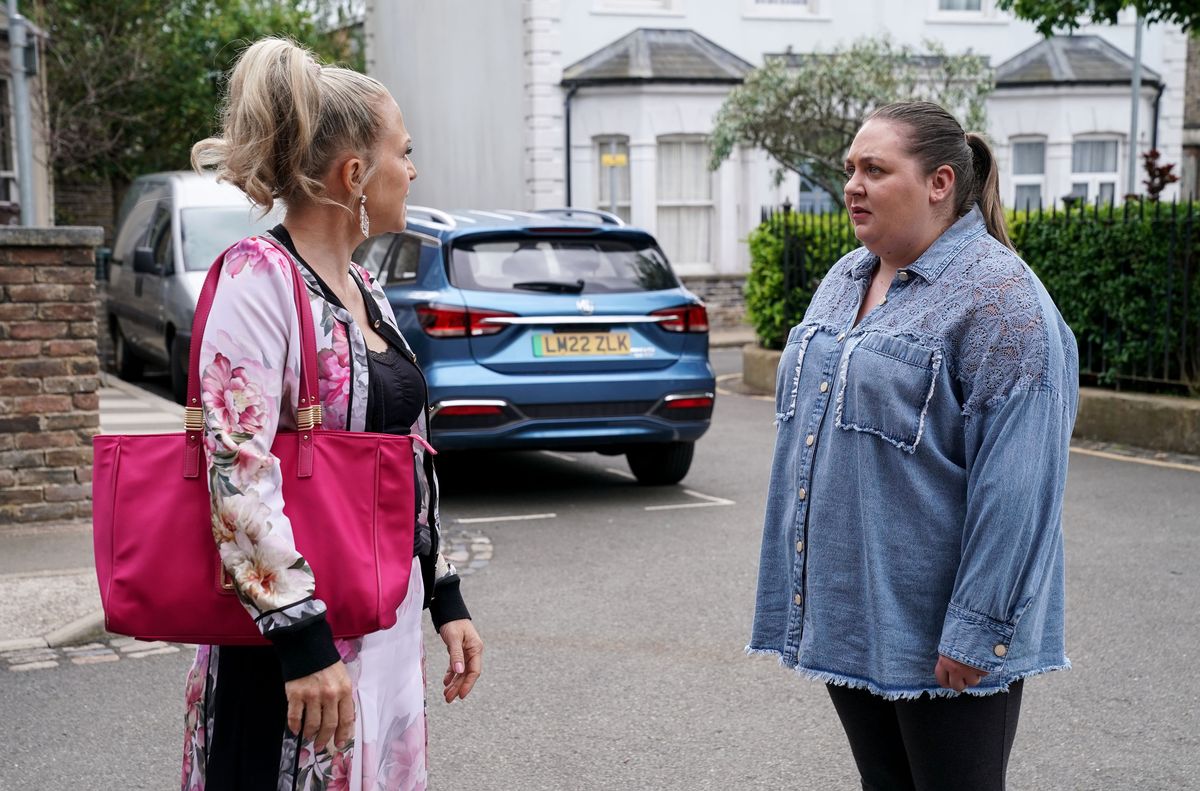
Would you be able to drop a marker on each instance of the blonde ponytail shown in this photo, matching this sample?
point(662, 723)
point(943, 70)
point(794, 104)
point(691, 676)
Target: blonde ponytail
point(285, 119)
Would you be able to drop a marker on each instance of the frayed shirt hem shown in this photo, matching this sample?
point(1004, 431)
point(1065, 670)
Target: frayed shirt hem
point(903, 693)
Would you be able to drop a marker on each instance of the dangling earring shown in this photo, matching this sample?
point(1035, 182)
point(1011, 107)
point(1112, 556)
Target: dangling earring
point(364, 222)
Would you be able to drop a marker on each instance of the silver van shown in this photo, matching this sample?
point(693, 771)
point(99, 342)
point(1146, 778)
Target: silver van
point(170, 228)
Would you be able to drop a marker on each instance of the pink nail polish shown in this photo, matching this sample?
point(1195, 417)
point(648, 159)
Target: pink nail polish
point(458, 667)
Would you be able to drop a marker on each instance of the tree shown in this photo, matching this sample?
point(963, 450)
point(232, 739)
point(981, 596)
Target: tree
point(805, 113)
point(1052, 15)
point(132, 84)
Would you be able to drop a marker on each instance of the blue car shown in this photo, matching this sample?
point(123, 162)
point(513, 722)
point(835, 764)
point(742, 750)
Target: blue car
point(560, 329)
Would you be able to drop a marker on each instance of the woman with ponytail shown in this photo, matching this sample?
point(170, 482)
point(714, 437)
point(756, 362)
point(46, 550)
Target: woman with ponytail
point(310, 711)
point(912, 555)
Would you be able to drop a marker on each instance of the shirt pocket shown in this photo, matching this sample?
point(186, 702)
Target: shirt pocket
point(885, 389)
point(787, 376)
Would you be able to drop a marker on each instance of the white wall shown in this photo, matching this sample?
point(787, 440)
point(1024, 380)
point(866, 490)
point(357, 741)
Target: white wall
point(456, 68)
point(644, 114)
point(1060, 116)
point(838, 22)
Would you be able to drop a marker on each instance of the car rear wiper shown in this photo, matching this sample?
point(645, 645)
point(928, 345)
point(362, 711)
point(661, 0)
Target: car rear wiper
point(551, 285)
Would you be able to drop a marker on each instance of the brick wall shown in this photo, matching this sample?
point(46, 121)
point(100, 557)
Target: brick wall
point(49, 407)
point(85, 203)
point(724, 296)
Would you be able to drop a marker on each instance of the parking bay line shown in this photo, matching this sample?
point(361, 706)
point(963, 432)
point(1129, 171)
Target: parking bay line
point(1171, 465)
point(558, 455)
point(478, 520)
point(709, 502)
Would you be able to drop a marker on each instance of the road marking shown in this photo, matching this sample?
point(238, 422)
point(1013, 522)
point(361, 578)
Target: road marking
point(731, 377)
point(709, 502)
point(1171, 465)
point(557, 455)
point(478, 520)
point(622, 473)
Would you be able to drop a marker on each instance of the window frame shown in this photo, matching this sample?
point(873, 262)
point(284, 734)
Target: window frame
point(987, 14)
point(624, 207)
point(809, 9)
point(709, 203)
point(1027, 179)
point(638, 7)
point(1093, 181)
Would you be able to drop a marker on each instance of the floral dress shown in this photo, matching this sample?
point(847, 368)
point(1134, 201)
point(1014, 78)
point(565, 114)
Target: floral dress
point(236, 733)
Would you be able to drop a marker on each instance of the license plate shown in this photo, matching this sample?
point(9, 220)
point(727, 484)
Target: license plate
point(562, 344)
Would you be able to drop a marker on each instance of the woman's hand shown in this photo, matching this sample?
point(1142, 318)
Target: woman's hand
point(324, 703)
point(466, 658)
point(955, 675)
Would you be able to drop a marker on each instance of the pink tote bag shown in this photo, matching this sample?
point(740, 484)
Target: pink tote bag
point(349, 496)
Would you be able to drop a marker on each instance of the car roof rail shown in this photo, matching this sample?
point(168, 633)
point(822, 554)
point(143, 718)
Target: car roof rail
point(436, 215)
point(568, 212)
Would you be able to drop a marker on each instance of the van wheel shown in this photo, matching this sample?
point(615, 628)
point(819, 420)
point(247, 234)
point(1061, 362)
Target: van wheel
point(179, 369)
point(129, 366)
point(661, 465)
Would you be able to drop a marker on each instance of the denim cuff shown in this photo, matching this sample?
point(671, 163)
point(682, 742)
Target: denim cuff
point(975, 639)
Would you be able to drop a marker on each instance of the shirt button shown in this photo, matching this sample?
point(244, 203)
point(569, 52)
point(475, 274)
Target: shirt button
point(824, 387)
point(803, 493)
point(841, 337)
point(376, 324)
point(903, 276)
point(809, 440)
point(798, 599)
point(799, 546)
point(1000, 650)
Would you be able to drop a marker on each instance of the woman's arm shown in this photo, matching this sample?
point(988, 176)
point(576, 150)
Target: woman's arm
point(248, 367)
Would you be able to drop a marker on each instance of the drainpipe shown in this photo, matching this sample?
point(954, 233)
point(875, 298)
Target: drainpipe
point(1157, 104)
point(567, 142)
point(1131, 183)
point(21, 121)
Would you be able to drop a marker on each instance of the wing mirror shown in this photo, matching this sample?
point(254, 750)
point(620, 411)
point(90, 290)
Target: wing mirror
point(143, 261)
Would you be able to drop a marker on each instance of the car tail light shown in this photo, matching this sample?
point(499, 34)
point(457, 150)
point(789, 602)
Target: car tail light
point(452, 321)
point(469, 409)
point(685, 318)
point(698, 402)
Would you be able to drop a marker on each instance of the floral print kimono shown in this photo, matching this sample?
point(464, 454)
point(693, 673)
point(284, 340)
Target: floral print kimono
point(236, 707)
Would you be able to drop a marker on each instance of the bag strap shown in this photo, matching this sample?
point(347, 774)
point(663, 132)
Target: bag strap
point(308, 416)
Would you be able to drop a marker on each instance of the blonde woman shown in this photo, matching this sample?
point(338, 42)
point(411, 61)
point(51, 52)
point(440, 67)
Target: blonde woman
point(310, 711)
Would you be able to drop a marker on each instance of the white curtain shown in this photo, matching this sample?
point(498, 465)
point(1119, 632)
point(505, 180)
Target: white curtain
point(685, 209)
point(605, 176)
point(1094, 156)
point(960, 5)
point(1029, 158)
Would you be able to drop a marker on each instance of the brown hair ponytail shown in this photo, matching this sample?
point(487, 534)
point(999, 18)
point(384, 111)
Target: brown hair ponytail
point(987, 186)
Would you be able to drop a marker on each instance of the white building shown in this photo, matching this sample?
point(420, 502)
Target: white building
point(487, 87)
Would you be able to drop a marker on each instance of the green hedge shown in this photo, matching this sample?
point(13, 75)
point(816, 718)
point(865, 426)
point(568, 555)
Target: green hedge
point(1127, 280)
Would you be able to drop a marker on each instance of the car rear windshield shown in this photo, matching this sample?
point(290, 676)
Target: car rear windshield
point(569, 266)
point(208, 231)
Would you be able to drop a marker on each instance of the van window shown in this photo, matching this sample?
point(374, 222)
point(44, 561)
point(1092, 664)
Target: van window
point(205, 232)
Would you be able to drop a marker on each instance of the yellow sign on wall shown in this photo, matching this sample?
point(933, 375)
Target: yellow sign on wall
point(614, 160)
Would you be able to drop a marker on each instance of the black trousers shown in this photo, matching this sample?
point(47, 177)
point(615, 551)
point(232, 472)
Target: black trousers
point(930, 744)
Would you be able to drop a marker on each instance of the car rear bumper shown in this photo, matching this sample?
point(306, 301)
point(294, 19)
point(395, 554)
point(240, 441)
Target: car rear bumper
point(593, 412)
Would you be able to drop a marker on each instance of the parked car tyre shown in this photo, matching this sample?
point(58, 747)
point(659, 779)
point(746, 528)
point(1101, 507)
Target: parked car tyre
point(129, 366)
point(661, 465)
point(179, 372)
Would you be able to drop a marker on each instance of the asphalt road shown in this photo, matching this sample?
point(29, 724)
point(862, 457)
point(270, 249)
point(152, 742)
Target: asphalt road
point(615, 630)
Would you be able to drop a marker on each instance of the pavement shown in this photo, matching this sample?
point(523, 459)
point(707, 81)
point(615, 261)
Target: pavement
point(49, 597)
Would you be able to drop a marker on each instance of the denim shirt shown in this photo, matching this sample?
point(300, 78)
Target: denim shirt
point(915, 501)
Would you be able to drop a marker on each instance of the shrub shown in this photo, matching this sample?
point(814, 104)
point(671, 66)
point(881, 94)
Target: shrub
point(1127, 281)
